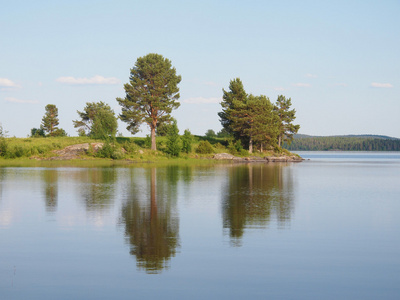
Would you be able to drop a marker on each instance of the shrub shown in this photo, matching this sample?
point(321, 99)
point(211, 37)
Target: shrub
point(235, 148)
point(205, 148)
point(109, 151)
point(130, 147)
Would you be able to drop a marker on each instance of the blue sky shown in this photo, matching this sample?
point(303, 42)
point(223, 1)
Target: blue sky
point(337, 60)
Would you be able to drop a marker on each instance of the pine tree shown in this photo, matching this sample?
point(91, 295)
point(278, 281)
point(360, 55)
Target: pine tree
point(97, 120)
point(236, 96)
point(151, 94)
point(286, 116)
point(256, 120)
point(50, 119)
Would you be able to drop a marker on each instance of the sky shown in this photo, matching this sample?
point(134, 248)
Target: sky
point(338, 61)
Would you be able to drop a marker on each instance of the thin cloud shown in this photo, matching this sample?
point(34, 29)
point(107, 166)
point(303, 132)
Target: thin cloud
point(210, 83)
point(381, 85)
point(279, 89)
point(300, 84)
point(4, 82)
point(202, 100)
point(311, 75)
point(15, 100)
point(93, 80)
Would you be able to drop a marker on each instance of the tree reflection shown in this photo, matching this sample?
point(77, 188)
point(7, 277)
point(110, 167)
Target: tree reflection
point(50, 178)
point(2, 178)
point(151, 224)
point(97, 188)
point(254, 195)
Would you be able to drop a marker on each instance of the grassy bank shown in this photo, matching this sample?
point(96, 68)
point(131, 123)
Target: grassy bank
point(122, 150)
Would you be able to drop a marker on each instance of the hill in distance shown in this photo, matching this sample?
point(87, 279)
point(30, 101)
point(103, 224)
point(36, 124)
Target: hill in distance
point(365, 136)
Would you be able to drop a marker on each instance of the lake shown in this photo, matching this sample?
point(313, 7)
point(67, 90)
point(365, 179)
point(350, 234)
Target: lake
point(325, 228)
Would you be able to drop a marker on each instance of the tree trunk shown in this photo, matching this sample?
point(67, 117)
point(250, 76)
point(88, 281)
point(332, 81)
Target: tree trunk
point(251, 145)
point(153, 198)
point(279, 141)
point(153, 138)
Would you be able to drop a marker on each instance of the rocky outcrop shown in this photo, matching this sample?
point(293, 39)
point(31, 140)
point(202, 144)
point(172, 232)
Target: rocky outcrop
point(227, 156)
point(74, 151)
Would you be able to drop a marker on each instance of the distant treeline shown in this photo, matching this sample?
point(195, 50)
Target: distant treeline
point(349, 143)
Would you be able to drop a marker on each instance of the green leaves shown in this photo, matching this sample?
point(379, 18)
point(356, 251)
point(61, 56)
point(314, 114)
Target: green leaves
point(97, 120)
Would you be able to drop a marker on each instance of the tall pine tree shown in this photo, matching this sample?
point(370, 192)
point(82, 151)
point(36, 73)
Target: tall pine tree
point(151, 94)
point(286, 116)
point(232, 100)
point(50, 119)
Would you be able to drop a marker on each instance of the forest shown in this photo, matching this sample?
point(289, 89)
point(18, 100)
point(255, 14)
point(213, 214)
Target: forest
point(343, 143)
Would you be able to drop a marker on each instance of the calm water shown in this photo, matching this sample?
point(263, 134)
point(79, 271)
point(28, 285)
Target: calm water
point(326, 228)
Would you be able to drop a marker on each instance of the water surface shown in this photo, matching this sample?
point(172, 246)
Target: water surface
point(325, 228)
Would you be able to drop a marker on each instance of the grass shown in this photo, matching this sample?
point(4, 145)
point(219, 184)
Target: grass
point(124, 150)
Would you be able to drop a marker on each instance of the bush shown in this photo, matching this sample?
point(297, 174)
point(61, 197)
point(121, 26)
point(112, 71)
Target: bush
point(205, 148)
point(235, 148)
point(59, 132)
point(110, 151)
point(37, 132)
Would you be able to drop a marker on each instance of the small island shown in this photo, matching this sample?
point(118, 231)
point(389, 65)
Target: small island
point(253, 128)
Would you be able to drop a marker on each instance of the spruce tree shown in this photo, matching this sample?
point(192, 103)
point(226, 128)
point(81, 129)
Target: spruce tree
point(173, 142)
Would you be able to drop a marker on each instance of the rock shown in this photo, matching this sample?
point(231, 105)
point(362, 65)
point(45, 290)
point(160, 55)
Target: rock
point(220, 156)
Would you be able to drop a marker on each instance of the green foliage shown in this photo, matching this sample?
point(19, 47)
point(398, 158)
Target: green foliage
point(187, 140)
point(59, 132)
point(163, 128)
point(210, 134)
point(286, 116)
point(38, 132)
point(81, 132)
point(230, 99)
point(254, 120)
point(205, 147)
point(173, 142)
point(50, 119)
point(223, 133)
point(130, 147)
point(147, 141)
point(90, 151)
point(151, 94)
point(3, 146)
point(235, 148)
point(109, 151)
point(3, 142)
point(97, 121)
point(343, 144)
